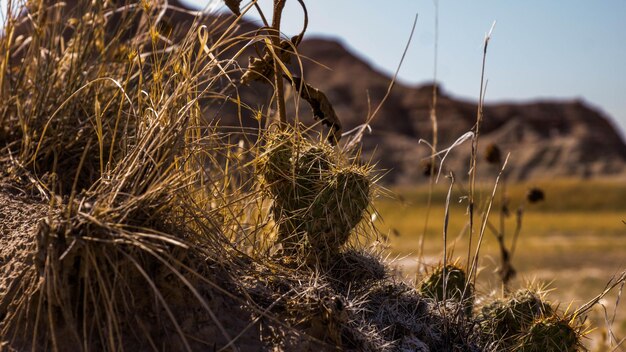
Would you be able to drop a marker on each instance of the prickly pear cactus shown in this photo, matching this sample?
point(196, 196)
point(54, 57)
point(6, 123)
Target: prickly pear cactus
point(551, 334)
point(317, 201)
point(505, 319)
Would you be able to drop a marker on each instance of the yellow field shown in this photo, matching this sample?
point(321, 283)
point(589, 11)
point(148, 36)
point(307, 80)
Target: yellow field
point(575, 240)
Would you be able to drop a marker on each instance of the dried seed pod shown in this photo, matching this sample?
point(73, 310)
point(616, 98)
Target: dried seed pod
point(535, 195)
point(428, 168)
point(493, 154)
point(262, 69)
point(258, 70)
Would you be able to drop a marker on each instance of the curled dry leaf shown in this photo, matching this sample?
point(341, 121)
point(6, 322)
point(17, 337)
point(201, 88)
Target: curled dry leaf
point(322, 108)
point(258, 70)
point(296, 39)
point(233, 5)
point(262, 69)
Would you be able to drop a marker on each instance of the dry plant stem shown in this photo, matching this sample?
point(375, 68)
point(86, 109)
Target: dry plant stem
point(433, 110)
point(474, 264)
point(75, 183)
point(446, 220)
point(614, 282)
point(433, 121)
point(503, 207)
point(505, 258)
point(261, 14)
point(612, 339)
point(431, 183)
point(279, 93)
point(359, 134)
point(8, 30)
point(619, 296)
point(518, 228)
point(618, 345)
point(305, 25)
point(479, 119)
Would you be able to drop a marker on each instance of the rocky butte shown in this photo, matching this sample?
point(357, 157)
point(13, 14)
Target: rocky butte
point(546, 138)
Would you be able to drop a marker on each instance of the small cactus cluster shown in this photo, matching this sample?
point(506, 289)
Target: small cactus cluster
point(551, 334)
point(456, 287)
point(506, 318)
point(317, 201)
point(524, 322)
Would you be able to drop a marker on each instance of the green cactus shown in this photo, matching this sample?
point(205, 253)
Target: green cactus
point(276, 163)
point(316, 201)
point(338, 208)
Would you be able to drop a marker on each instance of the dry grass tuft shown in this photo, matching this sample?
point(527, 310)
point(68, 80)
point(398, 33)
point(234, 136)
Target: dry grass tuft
point(105, 125)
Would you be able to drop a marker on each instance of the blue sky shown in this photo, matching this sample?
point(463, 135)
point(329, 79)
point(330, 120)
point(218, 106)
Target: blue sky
point(539, 49)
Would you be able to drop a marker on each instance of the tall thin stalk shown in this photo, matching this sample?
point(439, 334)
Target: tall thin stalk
point(472, 171)
point(433, 121)
point(446, 221)
point(279, 92)
point(485, 219)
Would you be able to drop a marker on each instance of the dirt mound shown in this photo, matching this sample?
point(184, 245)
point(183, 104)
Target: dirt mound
point(20, 217)
point(158, 302)
point(245, 304)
